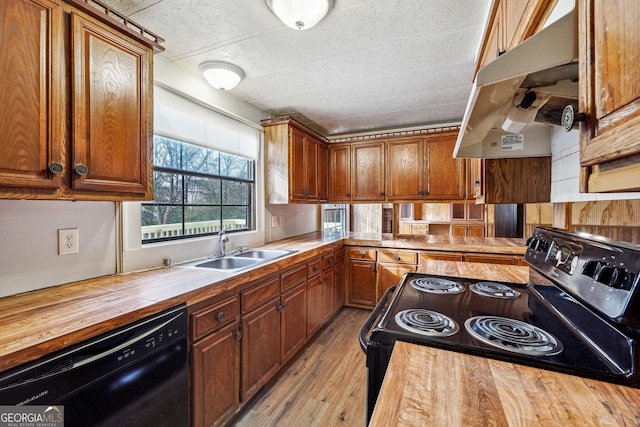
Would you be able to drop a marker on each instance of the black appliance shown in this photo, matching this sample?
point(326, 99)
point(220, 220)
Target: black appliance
point(136, 375)
point(579, 313)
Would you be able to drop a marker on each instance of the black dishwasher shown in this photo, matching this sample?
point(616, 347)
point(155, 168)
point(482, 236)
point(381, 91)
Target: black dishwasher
point(136, 375)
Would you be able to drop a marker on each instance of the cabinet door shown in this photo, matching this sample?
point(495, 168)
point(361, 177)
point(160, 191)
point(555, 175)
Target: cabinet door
point(389, 275)
point(339, 173)
point(475, 230)
point(297, 182)
point(446, 174)
point(458, 230)
point(609, 92)
point(368, 172)
point(338, 286)
point(323, 172)
point(327, 294)
point(260, 347)
point(362, 283)
point(311, 168)
point(216, 377)
point(405, 174)
point(112, 111)
point(293, 320)
point(32, 113)
point(314, 304)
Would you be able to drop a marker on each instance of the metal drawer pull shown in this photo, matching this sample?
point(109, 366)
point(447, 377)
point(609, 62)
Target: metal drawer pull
point(220, 316)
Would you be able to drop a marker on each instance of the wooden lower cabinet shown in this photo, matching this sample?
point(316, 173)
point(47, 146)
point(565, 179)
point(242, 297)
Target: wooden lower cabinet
point(314, 301)
point(492, 259)
point(441, 256)
point(216, 377)
point(293, 321)
point(362, 283)
point(260, 346)
point(389, 275)
point(338, 286)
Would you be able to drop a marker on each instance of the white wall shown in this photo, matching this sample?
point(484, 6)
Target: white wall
point(565, 170)
point(29, 257)
point(298, 219)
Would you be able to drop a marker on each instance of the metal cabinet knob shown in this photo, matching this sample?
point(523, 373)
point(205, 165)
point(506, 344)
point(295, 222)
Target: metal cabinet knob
point(570, 118)
point(220, 316)
point(55, 168)
point(81, 169)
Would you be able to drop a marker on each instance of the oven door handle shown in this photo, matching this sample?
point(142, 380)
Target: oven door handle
point(373, 317)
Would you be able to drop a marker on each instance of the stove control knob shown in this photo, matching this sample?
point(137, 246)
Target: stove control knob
point(591, 268)
point(617, 278)
point(605, 274)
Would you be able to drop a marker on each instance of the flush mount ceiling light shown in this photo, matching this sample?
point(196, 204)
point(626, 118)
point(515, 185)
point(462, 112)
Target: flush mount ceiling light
point(300, 14)
point(221, 75)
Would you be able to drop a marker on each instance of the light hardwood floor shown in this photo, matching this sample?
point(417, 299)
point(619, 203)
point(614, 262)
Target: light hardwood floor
point(324, 386)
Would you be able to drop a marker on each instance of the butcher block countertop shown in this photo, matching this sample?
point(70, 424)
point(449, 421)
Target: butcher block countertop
point(493, 245)
point(40, 322)
point(425, 386)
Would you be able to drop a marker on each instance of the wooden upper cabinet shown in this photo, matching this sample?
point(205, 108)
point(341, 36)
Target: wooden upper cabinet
point(340, 172)
point(112, 103)
point(405, 170)
point(32, 109)
point(297, 181)
point(445, 174)
point(323, 172)
point(518, 180)
point(76, 121)
point(510, 23)
point(368, 172)
point(609, 94)
point(295, 163)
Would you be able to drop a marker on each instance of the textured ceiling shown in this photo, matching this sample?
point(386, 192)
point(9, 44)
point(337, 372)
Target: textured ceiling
point(369, 65)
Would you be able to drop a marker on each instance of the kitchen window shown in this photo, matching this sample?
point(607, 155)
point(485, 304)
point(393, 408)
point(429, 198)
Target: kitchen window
point(198, 191)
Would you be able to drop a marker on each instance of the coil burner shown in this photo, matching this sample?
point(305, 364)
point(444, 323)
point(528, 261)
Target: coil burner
point(427, 322)
point(494, 290)
point(513, 335)
point(435, 285)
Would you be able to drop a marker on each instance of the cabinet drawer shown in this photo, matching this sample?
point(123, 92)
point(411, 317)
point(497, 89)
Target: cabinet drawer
point(491, 259)
point(212, 318)
point(338, 256)
point(362, 253)
point(294, 277)
point(398, 257)
point(327, 261)
point(314, 267)
point(256, 295)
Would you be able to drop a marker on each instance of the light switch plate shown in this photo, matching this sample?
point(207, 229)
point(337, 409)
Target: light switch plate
point(274, 220)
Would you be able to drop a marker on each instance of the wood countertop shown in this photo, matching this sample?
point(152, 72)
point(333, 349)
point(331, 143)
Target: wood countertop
point(425, 386)
point(492, 245)
point(40, 322)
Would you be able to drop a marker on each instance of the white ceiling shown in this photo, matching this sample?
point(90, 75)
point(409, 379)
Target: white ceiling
point(369, 65)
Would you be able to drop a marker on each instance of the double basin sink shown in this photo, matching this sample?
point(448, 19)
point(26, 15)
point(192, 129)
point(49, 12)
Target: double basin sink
point(238, 261)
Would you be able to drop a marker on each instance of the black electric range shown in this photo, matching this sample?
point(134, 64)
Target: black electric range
point(578, 314)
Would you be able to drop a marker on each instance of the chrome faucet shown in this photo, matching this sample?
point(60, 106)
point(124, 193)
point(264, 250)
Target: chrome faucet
point(222, 239)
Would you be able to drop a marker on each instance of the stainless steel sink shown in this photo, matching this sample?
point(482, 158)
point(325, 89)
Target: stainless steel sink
point(228, 263)
point(266, 254)
point(238, 262)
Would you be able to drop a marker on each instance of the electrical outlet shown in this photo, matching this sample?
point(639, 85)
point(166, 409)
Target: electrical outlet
point(274, 220)
point(68, 241)
point(281, 219)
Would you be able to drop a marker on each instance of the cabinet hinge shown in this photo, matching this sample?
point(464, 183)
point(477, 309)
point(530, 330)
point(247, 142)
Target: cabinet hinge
point(240, 393)
point(191, 358)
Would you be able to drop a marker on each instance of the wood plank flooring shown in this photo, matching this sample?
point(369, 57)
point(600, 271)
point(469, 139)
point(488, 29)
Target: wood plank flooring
point(324, 386)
